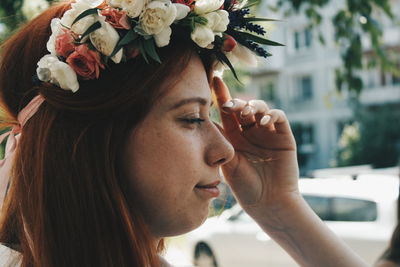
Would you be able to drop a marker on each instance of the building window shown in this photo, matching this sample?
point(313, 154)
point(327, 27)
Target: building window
point(307, 37)
point(303, 88)
point(395, 76)
point(267, 92)
point(304, 135)
point(303, 39)
point(297, 40)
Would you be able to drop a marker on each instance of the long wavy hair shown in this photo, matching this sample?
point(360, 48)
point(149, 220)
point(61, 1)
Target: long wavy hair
point(69, 202)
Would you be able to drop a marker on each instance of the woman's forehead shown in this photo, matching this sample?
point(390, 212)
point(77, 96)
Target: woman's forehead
point(192, 84)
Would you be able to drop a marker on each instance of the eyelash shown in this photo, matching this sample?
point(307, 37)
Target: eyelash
point(194, 120)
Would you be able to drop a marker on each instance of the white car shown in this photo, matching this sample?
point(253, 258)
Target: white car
point(362, 212)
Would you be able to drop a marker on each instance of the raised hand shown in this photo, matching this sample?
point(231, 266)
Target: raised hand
point(264, 171)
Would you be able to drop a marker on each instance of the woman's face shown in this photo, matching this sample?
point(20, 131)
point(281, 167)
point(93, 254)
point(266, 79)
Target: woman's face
point(175, 149)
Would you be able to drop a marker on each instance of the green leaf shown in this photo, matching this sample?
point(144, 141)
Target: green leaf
point(222, 57)
point(91, 29)
point(150, 48)
point(200, 20)
point(142, 50)
point(258, 39)
point(85, 14)
point(127, 39)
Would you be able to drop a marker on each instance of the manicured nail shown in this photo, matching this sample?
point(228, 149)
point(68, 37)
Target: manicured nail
point(246, 111)
point(265, 119)
point(228, 104)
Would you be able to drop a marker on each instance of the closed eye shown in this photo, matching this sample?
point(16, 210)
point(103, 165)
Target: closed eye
point(193, 120)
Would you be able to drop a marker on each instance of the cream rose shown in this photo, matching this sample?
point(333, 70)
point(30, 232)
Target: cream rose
point(51, 69)
point(105, 39)
point(243, 55)
point(157, 18)
point(56, 29)
point(76, 9)
point(203, 36)
point(83, 24)
point(115, 3)
point(132, 7)
point(92, 3)
point(206, 6)
point(217, 21)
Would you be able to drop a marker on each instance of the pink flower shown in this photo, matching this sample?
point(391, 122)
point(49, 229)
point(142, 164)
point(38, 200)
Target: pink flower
point(229, 43)
point(117, 18)
point(85, 62)
point(65, 43)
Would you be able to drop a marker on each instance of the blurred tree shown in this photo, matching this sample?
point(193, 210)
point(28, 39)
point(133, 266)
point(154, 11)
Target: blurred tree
point(357, 18)
point(373, 139)
point(15, 12)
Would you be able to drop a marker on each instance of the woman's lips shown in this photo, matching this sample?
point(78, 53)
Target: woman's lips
point(213, 184)
point(210, 190)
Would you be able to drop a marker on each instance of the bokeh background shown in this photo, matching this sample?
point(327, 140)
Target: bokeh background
point(338, 80)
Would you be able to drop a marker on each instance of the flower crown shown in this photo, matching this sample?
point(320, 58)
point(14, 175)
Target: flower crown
point(93, 32)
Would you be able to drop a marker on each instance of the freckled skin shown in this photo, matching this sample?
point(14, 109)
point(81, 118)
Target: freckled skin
point(166, 157)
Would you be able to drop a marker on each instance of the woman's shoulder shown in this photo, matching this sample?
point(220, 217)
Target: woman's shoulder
point(9, 257)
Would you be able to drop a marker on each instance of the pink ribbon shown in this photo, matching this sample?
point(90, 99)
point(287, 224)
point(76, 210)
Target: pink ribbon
point(5, 165)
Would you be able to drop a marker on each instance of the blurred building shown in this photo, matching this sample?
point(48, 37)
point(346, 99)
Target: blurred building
point(300, 79)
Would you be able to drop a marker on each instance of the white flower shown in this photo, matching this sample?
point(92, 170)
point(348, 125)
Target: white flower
point(52, 70)
point(182, 11)
point(115, 3)
point(83, 24)
point(132, 7)
point(76, 9)
point(56, 29)
point(206, 6)
point(202, 36)
point(92, 3)
point(157, 18)
point(105, 40)
point(32, 8)
point(217, 21)
point(243, 55)
point(162, 39)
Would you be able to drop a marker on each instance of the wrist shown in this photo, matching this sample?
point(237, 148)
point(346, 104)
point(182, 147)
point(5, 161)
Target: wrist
point(279, 214)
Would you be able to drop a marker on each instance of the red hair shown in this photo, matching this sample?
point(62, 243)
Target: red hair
point(69, 202)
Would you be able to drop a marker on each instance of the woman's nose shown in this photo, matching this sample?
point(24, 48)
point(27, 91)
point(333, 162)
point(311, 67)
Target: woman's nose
point(219, 149)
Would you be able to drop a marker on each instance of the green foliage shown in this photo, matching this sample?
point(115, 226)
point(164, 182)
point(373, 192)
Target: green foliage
point(356, 18)
point(10, 16)
point(373, 139)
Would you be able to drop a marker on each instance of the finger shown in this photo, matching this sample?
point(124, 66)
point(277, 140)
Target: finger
point(242, 110)
point(260, 108)
point(222, 94)
point(276, 118)
point(251, 112)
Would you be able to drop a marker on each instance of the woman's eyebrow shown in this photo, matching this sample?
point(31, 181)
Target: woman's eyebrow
point(200, 100)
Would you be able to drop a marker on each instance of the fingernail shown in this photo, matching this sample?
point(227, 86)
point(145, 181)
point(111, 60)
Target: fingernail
point(265, 119)
point(246, 111)
point(228, 104)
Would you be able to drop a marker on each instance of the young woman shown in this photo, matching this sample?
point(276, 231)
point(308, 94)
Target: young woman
point(103, 162)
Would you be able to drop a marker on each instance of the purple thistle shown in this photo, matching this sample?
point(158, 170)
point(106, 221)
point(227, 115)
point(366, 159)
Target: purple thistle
point(257, 49)
point(255, 28)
